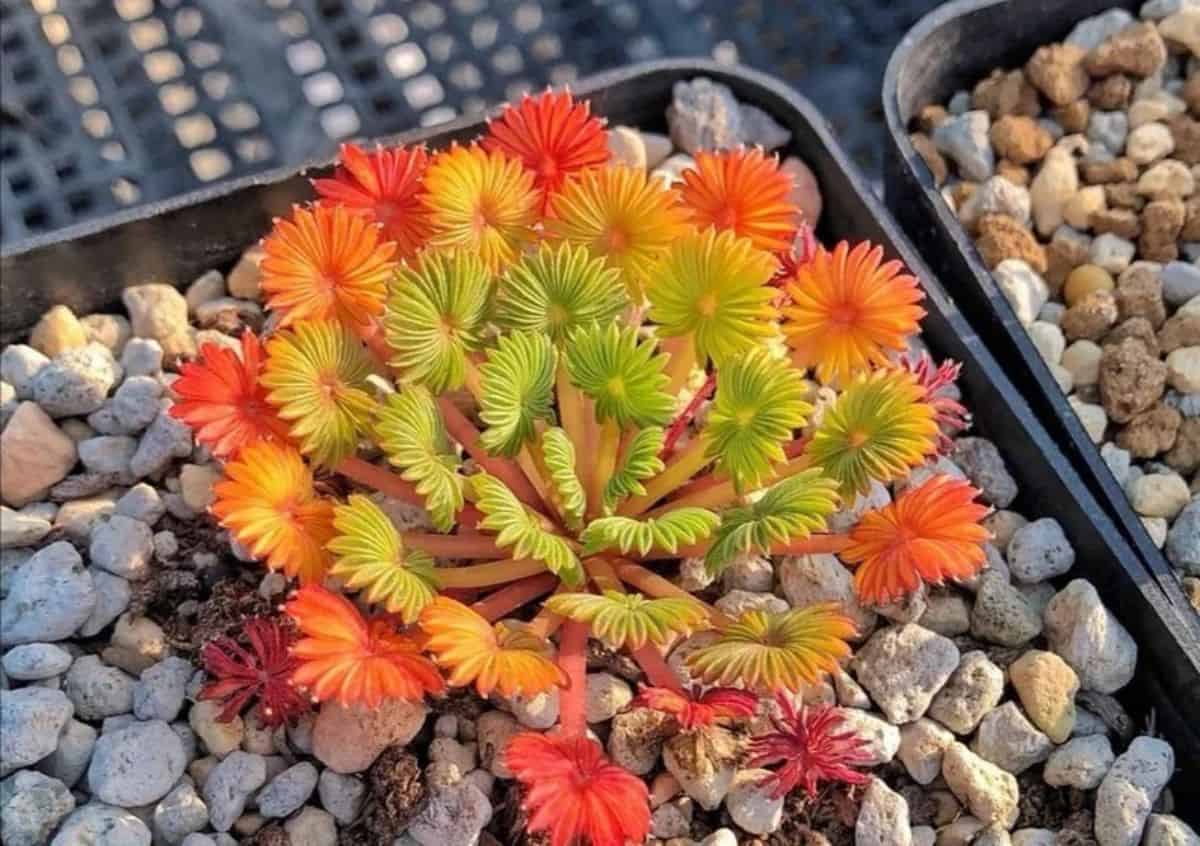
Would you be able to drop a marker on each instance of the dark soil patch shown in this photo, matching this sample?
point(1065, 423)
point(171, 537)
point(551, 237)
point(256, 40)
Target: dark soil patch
point(271, 835)
point(395, 794)
point(826, 821)
point(1043, 806)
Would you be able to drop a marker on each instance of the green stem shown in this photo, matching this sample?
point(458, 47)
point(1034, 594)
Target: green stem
point(572, 658)
point(723, 493)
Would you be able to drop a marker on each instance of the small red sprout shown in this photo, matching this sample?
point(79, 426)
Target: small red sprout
point(951, 416)
point(811, 748)
point(721, 704)
point(263, 673)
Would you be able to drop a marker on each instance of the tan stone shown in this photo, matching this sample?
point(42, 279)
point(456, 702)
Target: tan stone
point(245, 280)
point(1020, 139)
point(1002, 237)
point(58, 331)
point(1046, 686)
point(1057, 71)
point(35, 455)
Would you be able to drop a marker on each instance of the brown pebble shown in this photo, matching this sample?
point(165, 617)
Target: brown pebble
point(1003, 94)
point(1002, 237)
point(1057, 71)
point(932, 158)
point(1091, 317)
point(1014, 173)
point(1113, 170)
point(1123, 222)
point(1124, 195)
point(1111, 93)
point(1191, 219)
point(1186, 133)
point(1020, 139)
point(1085, 279)
point(1073, 117)
point(1139, 294)
point(1131, 380)
point(1181, 329)
point(931, 117)
point(960, 192)
point(1138, 50)
point(1137, 329)
point(1162, 220)
point(1152, 432)
point(1191, 93)
point(1184, 455)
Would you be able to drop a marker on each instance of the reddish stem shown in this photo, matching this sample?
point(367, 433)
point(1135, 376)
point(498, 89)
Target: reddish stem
point(680, 424)
point(513, 596)
point(454, 546)
point(655, 666)
point(384, 481)
point(572, 658)
point(463, 431)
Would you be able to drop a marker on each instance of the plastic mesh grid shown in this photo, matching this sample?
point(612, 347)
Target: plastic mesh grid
point(110, 103)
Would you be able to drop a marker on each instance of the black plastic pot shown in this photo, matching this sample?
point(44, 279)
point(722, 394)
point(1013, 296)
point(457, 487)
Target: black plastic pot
point(950, 49)
point(86, 267)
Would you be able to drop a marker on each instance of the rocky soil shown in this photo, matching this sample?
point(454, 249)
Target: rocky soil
point(992, 707)
point(1076, 175)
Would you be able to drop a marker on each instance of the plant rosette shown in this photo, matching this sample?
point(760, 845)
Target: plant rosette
point(578, 375)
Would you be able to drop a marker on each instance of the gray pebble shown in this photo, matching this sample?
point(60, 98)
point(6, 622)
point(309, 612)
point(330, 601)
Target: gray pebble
point(341, 795)
point(142, 357)
point(1109, 129)
point(34, 661)
point(107, 454)
point(137, 765)
point(19, 364)
point(704, 115)
point(1180, 282)
point(48, 598)
point(288, 791)
point(1001, 614)
point(759, 128)
point(964, 138)
point(1039, 551)
point(69, 761)
point(143, 503)
point(98, 690)
point(180, 814)
point(97, 824)
point(984, 466)
point(230, 784)
point(31, 805)
point(166, 438)
point(1183, 540)
point(159, 693)
point(122, 546)
point(112, 598)
point(77, 381)
point(30, 721)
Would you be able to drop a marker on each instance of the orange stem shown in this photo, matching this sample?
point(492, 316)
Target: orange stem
point(454, 546)
point(384, 481)
point(486, 575)
point(546, 622)
point(652, 584)
point(463, 431)
point(510, 598)
point(572, 658)
point(724, 493)
point(655, 666)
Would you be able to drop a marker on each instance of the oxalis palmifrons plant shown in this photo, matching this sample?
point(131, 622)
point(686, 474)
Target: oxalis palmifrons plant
point(524, 334)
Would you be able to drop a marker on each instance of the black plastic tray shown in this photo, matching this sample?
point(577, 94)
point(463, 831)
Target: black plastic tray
point(928, 67)
point(88, 265)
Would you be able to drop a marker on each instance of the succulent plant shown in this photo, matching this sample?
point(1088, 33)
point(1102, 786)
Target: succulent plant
point(578, 375)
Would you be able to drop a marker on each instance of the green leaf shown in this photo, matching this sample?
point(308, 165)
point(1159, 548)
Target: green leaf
point(410, 431)
point(522, 530)
point(558, 289)
point(758, 405)
point(371, 556)
point(559, 455)
point(641, 462)
point(789, 510)
point(669, 532)
point(714, 287)
point(630, 620)
point(625, 378)
point(436, 315)
point(517, 390)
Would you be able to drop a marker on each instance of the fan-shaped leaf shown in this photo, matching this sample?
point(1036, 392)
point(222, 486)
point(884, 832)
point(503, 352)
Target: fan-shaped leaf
point(521, 529)
point(641, 462)
point(517, 390)
point(625, 378)
point(630, 620)
point(789, 510)
point(409, 429)
point(558, 289)
point(559, 455)
point(675, 528)
point(371, 557)
point(435, 315)
point(758, 405)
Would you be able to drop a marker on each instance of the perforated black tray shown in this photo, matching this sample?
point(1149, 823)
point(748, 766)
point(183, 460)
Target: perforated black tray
point(928, 67)
point(178, 240)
